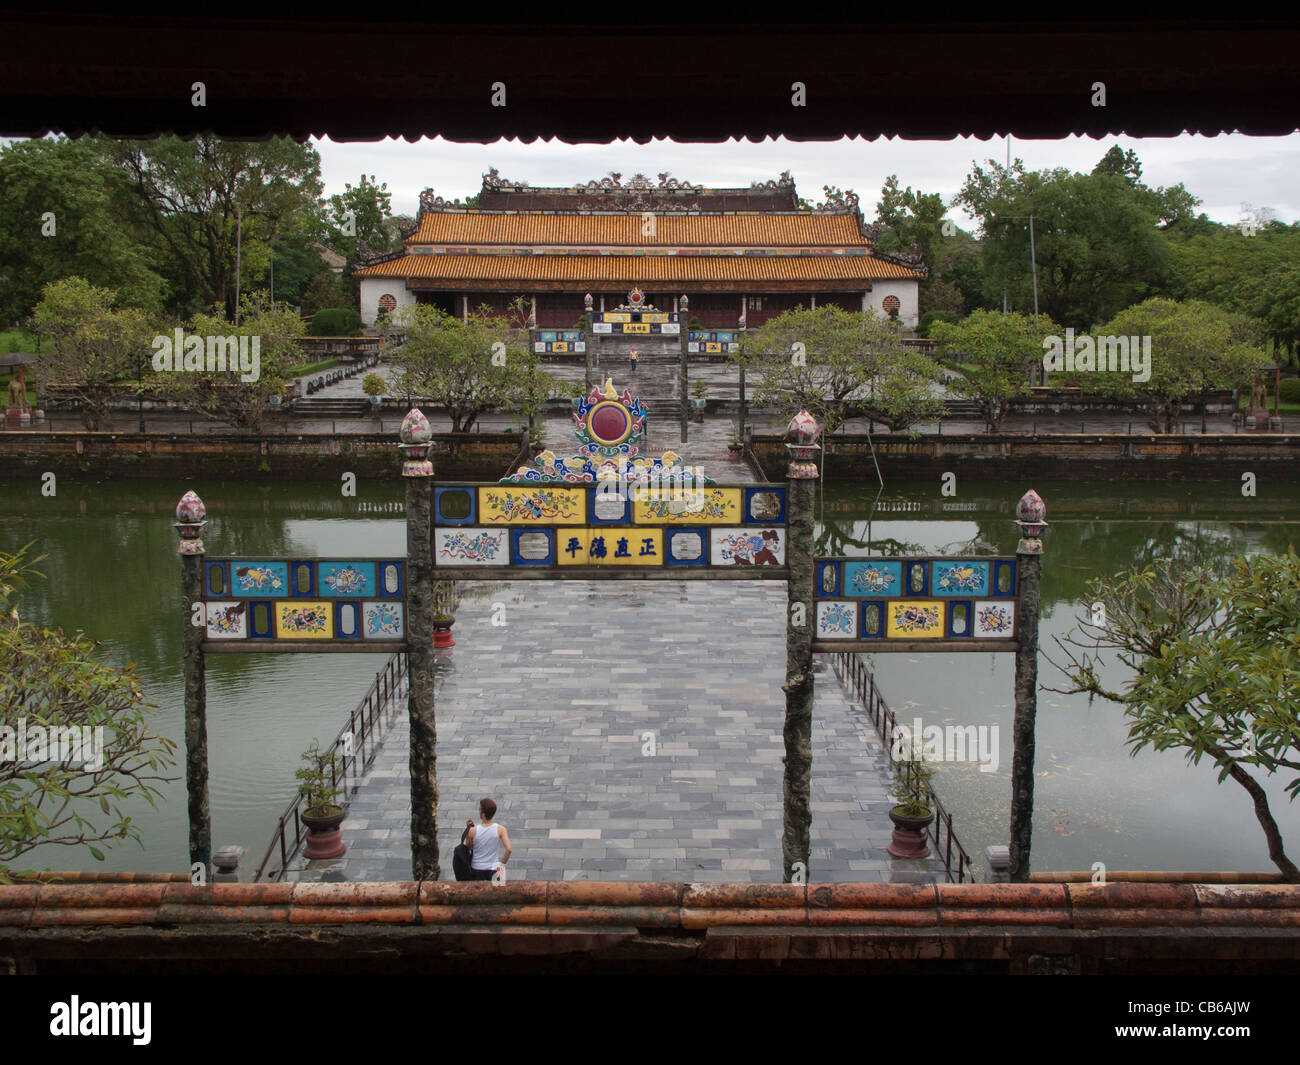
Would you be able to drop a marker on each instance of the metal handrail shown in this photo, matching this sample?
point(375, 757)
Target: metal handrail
point(350, 755)
point(851, 669)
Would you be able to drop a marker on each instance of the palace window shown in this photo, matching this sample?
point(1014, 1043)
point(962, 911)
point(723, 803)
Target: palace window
point(755, 303)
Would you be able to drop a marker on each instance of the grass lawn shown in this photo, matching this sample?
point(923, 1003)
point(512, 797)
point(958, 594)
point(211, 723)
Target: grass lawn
point(16, 340)
point(313, 367)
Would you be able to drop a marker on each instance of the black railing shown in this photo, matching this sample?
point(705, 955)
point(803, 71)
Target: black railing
point(854, 672)
point(354, 749)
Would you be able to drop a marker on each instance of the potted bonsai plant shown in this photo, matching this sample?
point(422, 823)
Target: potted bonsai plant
point(321, 811)
point(737, 445)
point(700, 398)
point(913, 813)
point(374, 386)
point(442, 616)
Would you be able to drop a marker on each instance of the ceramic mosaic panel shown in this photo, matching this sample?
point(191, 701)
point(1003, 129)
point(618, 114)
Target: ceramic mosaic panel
point(754, 546)
point(708, 506)
point(872, 578)
point(687, 547)
point(837, 621)
point(261, 579)
point(994, 619)
point(304, 620)
point(383, 621)
point(471, 547)
point(914, 619)
point(611, 547)
point(352, 579)
point(959, 578)
point(548, 505)
point(227, 620)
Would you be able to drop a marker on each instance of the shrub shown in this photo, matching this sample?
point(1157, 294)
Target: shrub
point(930, 317)
point(1289, 390)
point(336, 322)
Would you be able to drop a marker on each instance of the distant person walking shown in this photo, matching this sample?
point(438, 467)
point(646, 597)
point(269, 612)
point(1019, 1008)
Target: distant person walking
point(631, 357)
point(484, 841)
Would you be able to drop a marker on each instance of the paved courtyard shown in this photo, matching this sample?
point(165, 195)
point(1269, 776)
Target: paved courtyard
point(548, 715)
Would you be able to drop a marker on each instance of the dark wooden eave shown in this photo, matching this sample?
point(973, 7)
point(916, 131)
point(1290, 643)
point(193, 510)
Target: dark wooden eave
point(911, 75)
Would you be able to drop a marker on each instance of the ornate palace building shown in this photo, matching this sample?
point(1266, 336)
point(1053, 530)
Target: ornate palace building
point(741, 255)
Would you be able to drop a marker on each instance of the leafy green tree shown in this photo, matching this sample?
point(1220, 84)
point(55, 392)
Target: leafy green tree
point(1098, 242)
point(470, 367)
point(223, 395)
point(327, 289)
point(997, 353)
point(63, 217)
point(199, 198)
point(50, 685)
point(360, 214)
point(1254, 273)
point(1215, 664)
point(828, 361)
point(1195, 347)
point(93, 345)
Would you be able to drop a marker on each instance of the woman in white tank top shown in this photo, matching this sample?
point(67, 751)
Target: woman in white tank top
point(484, 842)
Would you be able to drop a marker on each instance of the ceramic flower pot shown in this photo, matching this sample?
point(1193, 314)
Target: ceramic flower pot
point(909, 839)
point(324, 836)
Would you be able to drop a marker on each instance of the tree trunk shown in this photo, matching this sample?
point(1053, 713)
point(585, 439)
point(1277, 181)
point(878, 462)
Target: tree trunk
point(1265, 817)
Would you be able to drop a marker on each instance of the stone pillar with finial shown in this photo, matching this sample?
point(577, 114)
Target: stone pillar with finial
point(802, 436)
point(591, 335)
point(191, 517)
point(1031, 515)
point(684, 335)
point(742, 327)
point(417, 470)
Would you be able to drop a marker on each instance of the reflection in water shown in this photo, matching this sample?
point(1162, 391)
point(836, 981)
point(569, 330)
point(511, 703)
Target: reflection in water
point(113, 571)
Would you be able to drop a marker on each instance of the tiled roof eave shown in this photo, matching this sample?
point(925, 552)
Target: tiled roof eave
point(795, 270)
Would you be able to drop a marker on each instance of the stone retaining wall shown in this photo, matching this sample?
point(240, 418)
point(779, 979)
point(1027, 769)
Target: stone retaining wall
point(306, 456)
point(594, 927)
point(1005, 456)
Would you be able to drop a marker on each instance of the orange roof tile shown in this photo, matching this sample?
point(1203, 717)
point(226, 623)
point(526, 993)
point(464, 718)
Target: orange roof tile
point(751, 229)
point(640, 269)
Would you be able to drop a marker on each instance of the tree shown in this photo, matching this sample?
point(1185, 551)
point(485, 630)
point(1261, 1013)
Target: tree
point(199, 198)
point(224, 395)
point(467, 367)
point(1253, 272)
point(360, 214)
point(54, 693)
point(1098, 241)
point(92, 346)
point(829, 360)
point(997, 352)
point(1195, 347)
point(1216, 668)
point(327, 289)
point(63, 217)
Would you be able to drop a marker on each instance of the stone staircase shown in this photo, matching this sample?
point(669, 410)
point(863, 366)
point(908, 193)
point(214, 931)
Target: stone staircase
point(332, 407)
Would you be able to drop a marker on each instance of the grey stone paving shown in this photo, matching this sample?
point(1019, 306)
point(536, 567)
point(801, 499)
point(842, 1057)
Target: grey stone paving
point(548, 715)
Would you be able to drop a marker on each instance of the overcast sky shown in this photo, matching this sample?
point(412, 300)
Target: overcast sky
point(1224, 172)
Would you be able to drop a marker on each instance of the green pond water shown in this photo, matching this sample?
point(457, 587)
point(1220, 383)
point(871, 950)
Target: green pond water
point(113, 572)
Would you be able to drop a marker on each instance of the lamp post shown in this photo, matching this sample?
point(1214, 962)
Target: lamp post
point(139, 389)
